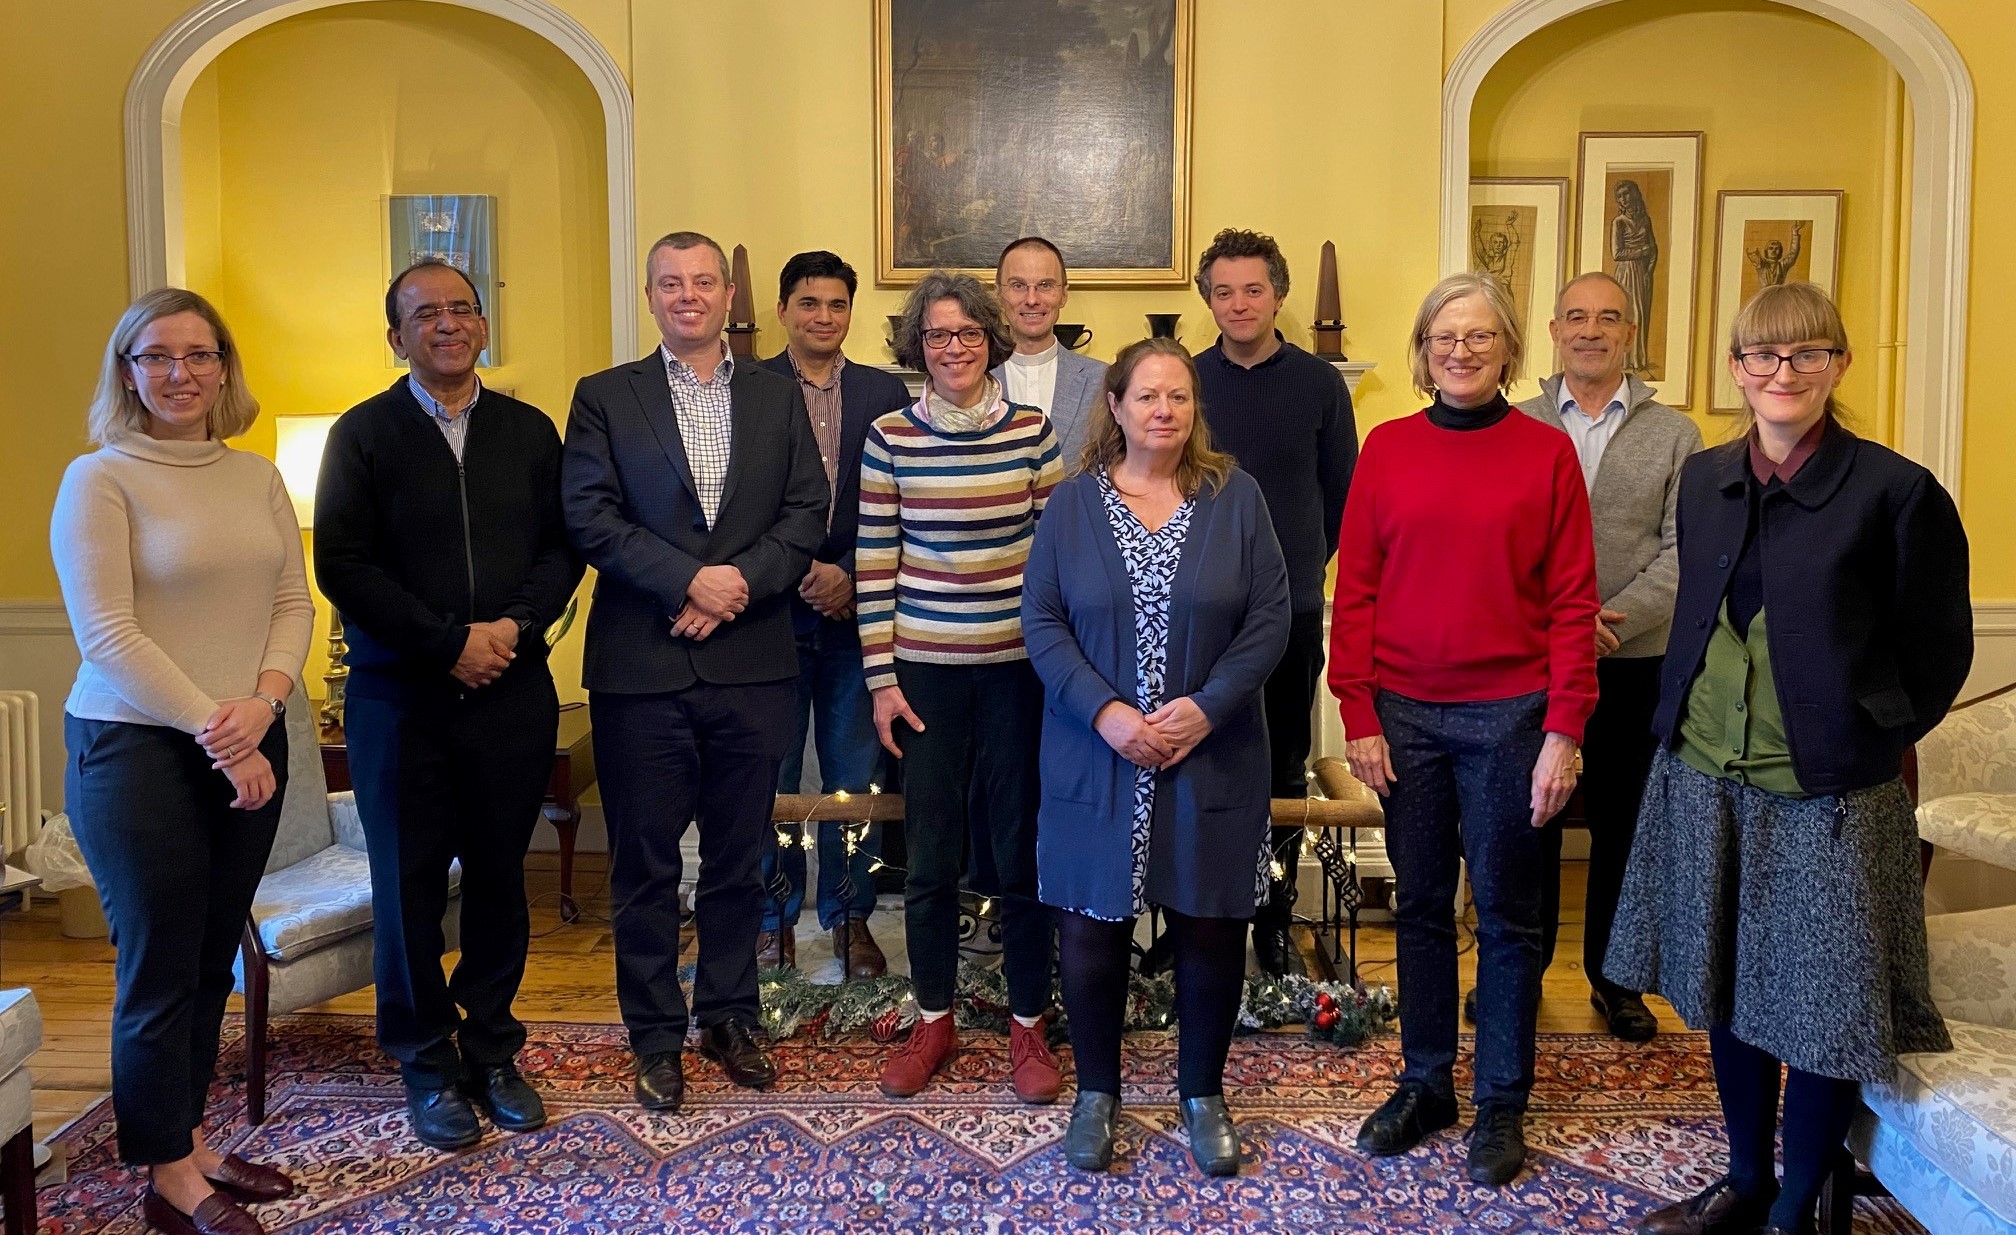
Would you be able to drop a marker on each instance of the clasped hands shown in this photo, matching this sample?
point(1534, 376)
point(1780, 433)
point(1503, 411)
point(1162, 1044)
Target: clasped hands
point(487, 652)
point(716, 595)
point(1160, 739)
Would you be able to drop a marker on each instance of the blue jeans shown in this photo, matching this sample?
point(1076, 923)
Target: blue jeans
point(833, 702)
point(1463, 795)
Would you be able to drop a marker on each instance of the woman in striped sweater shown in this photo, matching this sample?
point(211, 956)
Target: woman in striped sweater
point(951, 488)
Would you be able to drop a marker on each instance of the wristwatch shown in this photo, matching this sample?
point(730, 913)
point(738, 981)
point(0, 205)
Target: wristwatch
point(278, 705)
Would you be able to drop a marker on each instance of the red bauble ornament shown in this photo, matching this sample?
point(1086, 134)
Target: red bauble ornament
point(1325, 1000)
point(884, 1027)
point(1326, 1019)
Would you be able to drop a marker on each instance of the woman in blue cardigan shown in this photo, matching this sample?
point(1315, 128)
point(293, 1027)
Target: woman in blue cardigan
point(1154, 606)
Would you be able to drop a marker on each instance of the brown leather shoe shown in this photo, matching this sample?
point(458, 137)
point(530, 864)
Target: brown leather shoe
point(774, 948)
point(1717, 1209)
point(248, 1181)
point(864, 955)
point(217, 1215)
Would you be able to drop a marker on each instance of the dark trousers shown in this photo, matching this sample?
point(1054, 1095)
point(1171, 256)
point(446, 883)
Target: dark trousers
point(1617, 755)
point(1289, 698)
point(1092, 959)
point(834, 707)
point(707, 754)
point(176, 867)
point(1463, 794)
point(978, 747)
point(451, 777)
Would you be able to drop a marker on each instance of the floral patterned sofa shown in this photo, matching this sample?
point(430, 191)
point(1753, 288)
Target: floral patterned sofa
point(1942, 1136)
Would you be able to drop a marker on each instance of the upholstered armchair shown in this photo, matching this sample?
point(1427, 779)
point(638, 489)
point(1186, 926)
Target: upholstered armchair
point(20, 1037)
point(309, 937)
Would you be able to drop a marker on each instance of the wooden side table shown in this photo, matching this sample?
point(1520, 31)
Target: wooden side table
point(573, 772)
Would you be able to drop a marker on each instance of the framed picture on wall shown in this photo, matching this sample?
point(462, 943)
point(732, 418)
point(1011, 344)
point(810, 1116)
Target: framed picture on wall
point(1763, 238)
point(1519, 232)
point(1069, 119)
point(458, 228)
point(1638, 219)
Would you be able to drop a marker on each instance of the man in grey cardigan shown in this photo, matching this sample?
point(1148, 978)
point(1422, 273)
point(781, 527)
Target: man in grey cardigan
point(1631, 447)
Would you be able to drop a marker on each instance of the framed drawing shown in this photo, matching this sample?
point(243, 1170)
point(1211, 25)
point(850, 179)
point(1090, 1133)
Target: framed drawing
point(1519, 232)
point(1069, 119)
point(1638, 218)
point(458, 228)
point(1763, 238)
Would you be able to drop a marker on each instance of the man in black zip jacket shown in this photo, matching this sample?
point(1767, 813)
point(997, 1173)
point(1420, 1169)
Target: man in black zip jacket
point(438, 537)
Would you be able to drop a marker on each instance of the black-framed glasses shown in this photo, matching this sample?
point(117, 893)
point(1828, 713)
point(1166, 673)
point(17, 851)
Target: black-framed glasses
point(1478, 341)
point(460, 310)
point(938, 338)
point(161, 364)
point(1812, 360)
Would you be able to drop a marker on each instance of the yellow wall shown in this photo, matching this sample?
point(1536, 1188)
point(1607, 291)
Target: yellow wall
point(1668, 65)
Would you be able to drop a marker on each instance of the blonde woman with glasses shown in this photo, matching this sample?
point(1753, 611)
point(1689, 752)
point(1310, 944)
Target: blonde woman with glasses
point(181, 568)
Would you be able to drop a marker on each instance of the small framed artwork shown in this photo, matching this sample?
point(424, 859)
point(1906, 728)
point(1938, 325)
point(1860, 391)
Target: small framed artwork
point(1519, 232)
point(458, 228)
point(1763, 238)
point(1638, 219)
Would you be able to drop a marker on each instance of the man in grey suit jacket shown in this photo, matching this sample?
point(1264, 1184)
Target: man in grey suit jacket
point(693, 484)
point(1033, 286)
point(1631, 447)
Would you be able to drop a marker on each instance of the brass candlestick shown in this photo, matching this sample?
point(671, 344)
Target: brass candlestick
point(333, 681)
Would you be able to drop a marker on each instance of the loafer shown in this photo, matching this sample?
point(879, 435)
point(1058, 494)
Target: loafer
point(250, 1182)
point(217, 1215)
point(442, 1118)
point(1275, 952)
point(1214, 1142)
point(1497, 1144)
point(661, 1084)
point(731, 1045)
point(1413, 1114)
point(502, 1094)
point(1088, 1142)
point(863, 955)
point(1626, 1015)
point(1717, 1209)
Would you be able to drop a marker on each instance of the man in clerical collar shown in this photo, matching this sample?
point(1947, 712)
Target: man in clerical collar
point(1033, 286)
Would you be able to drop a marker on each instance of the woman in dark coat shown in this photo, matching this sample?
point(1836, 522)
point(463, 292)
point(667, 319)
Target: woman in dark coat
point(1154, 606)
point(1773, 895)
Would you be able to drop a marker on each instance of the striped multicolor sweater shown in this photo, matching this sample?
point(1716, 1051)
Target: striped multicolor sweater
point(946, 522)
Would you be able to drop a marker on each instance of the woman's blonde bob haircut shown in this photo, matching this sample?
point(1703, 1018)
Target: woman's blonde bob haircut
point(1106, 445)
point(1787, 313)
point(1511, 340)
point(116, 409)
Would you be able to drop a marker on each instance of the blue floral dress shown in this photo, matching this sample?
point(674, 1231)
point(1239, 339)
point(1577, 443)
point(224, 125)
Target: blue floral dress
point(1151, 558)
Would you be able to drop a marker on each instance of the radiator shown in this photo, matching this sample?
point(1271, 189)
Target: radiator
point(20, 770)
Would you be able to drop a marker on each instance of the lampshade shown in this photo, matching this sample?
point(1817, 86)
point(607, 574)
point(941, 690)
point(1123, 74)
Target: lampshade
point(298, 454)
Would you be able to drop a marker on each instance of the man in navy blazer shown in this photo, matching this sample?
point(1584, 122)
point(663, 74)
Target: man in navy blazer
point(815, 304)
point(693, 485)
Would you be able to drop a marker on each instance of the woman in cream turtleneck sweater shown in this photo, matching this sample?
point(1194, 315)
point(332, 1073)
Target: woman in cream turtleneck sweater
point(181, 568)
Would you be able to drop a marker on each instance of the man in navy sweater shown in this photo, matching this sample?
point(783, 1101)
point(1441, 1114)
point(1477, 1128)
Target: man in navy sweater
point(1286, 416)
point(439, 538)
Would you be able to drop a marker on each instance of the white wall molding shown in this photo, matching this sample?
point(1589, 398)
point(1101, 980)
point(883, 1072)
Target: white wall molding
point(160, 85)
point(1933, 407)
point(33, 617)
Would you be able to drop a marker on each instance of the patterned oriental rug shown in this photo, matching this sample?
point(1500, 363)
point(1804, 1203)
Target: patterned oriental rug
point(1615, 1130)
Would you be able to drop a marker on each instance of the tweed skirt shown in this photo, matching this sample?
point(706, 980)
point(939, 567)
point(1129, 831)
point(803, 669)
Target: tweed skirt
point(1797, 922)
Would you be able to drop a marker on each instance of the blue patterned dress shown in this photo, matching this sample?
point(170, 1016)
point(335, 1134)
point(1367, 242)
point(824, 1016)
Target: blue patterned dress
point(1151, 558)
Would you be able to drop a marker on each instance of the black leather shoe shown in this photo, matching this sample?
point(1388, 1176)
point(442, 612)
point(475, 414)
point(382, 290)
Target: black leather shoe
point(731, 1045)
point(1717, 1209)
point(1088, 1142)
point(1626, 1014)
point(1275, 951)
point(1410, 1116)
point(661, 1085)
point(1214, 1142)
point(442, 1118)
point(504, 1096)
point(1497, 1144)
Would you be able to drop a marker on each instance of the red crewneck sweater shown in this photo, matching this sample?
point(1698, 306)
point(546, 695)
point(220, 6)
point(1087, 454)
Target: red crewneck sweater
point(1466, 571)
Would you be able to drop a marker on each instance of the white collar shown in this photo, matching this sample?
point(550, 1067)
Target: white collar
point(1036, 360)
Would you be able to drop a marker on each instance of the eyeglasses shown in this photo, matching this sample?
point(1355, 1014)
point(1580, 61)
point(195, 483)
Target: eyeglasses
point(1047, 287)
point(460, 310)
point(161, 364)
point(1608, 319)
point(1764, 364)
point(939, 339)
point(1478, 341)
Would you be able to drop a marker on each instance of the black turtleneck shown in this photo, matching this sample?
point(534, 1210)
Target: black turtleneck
point(1463, 419)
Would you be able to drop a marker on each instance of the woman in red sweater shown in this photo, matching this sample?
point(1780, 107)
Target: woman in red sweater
point(1463, 653)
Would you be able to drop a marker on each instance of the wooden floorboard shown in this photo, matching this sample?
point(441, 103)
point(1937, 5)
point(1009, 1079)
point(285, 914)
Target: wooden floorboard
point(571, 977)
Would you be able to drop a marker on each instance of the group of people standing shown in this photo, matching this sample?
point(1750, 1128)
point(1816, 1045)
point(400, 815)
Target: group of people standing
point(1081, 608)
